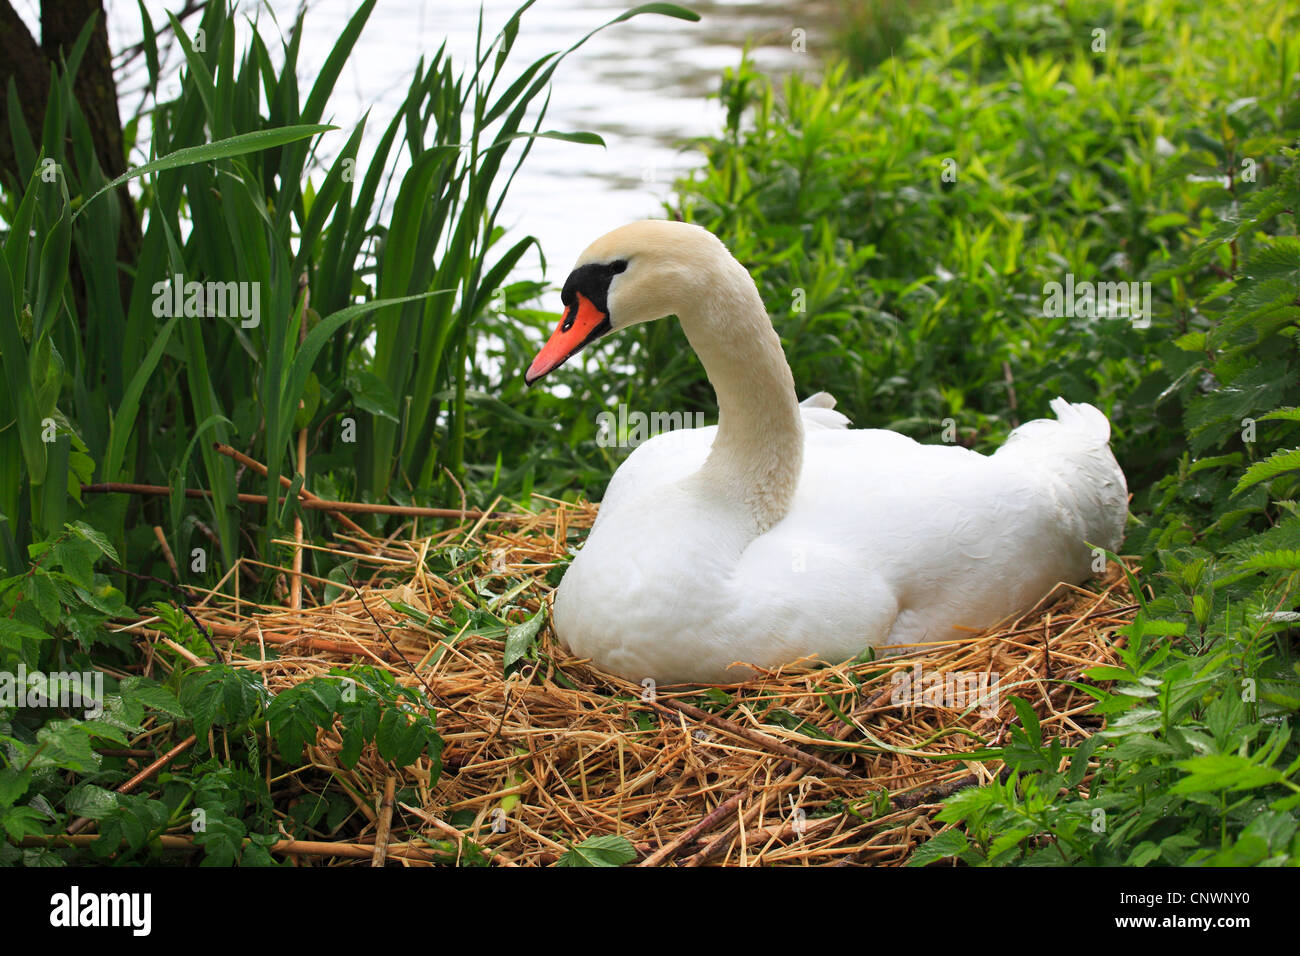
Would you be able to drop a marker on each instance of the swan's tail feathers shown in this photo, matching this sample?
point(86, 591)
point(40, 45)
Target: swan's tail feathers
point(820, 400)
point(1082, 417)
point(819, 410)
point(1072, 453)
point(1076, 423)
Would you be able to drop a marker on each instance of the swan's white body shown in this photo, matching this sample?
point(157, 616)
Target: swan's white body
point(782, 534)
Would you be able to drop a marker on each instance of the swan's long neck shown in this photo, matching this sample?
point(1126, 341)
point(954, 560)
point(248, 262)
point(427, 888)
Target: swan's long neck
point(757, 455)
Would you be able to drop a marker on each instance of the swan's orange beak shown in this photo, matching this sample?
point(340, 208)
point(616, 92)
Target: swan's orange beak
point(581, 324)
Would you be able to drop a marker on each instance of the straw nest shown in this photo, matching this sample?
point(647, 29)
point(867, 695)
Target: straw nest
point(807, 766)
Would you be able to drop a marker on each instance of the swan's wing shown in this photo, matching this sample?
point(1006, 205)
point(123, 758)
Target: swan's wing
point(667, 457)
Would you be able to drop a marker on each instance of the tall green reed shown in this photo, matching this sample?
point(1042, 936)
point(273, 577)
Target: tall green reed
point(362, 332)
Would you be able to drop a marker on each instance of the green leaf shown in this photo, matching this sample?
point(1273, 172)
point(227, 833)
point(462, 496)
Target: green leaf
point(88, 800)
point(87, 533)
point(585, 138)
point(402, 737)
point(599, 851)
point(221, 149)
point(220, 695)
point(1079, 760)
point(77, 558)
point(1104, 672)
point(1278, 463)
point(370, 393)
point(1028, 719)
point(41, 591)
point(519, 639)
point(300, 712)
point(22, 821)
point(124, 420)
point(66, 744)
point(1214, 772)
point(1143, 854)
point(295, 381)
point(13, 784)
point(1275, 257)
point(1272, 561)
point(360, 722)
point(484, 400)
point(152, 694)
point(12, 632)
point(950, 842)
point(664, 9)
point(1288, 414)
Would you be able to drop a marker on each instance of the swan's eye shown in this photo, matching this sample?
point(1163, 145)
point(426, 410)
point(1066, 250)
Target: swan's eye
point(592, 282)
point(586, 315)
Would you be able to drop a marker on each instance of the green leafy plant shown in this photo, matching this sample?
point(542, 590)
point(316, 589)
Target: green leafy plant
point(62, 759)
point(1197, 764)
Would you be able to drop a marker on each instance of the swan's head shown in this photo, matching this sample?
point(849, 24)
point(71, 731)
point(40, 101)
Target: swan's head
point(637, 273)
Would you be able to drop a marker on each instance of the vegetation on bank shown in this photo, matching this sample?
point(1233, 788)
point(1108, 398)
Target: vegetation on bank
point(905, 224)
point(906, 228)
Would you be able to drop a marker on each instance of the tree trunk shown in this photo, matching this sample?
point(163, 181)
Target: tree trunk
point(28, 65)
point(23, 63)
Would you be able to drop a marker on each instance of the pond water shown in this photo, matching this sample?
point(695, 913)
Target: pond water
point(643, 85)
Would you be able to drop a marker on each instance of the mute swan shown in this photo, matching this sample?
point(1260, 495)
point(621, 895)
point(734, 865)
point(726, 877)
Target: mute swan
point(780, 533)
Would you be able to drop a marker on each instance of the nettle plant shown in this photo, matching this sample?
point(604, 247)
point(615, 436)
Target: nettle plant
point(1198, 763)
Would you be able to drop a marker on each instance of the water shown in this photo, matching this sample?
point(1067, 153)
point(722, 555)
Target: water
point(643, 85)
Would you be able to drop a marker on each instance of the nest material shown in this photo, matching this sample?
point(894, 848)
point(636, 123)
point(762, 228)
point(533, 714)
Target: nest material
point(807, 766)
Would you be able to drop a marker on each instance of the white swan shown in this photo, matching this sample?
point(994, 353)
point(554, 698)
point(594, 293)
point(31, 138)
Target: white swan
point(780, 533)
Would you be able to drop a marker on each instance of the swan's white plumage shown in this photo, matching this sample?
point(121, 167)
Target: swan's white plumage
point(877, 540)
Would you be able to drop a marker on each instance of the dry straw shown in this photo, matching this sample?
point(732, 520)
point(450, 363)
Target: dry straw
point(805, 766)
